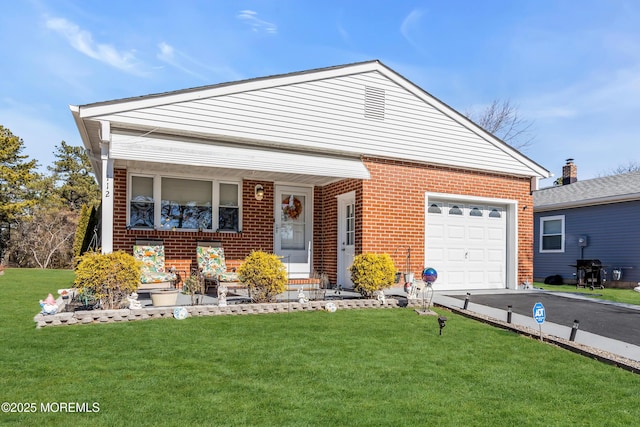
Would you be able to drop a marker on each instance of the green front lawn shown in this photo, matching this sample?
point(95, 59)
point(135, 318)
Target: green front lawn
point(352, 367)
point(628, 296)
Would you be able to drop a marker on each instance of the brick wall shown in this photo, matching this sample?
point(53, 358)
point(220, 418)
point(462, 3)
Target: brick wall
point(391, 220)
point(394, 216)
point(325, 219)
point(180, 246)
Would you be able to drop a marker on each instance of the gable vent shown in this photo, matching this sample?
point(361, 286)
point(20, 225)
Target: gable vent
point(373, 103)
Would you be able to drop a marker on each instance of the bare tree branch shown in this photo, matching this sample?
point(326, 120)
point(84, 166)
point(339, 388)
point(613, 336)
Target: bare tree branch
point(501, 118)
point(631, 166)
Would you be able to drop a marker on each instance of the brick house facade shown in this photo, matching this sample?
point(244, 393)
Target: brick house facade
point(389, 180)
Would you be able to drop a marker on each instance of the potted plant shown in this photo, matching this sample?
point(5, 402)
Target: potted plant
point(164, 297)
point(194, 287)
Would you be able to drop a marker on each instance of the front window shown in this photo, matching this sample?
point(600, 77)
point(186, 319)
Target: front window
point(168, 203)
point(141, 203)
point(229, 206)
point(552, 234)
point(186, 203)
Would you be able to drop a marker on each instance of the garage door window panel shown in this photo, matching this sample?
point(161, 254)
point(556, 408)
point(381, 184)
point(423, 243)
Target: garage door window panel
point(455, 209)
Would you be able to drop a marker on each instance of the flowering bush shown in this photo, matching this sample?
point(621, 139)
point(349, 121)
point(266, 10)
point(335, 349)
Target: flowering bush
point(265, 276)
point(372, 272)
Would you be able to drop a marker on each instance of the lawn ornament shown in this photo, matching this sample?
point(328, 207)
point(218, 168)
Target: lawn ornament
point(302, 299)
point(65, 293)
point(379, 296)
point(180, 313)
point(330, 307)
point(222, 295)
point(49, 305)
point(424, 288)
point(408, 287)
point(133, 301)
point(429, 275)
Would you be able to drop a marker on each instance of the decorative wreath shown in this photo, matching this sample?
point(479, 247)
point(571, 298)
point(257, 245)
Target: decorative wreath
point(292, 210)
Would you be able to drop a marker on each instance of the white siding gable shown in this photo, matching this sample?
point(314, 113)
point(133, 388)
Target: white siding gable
point(329, 115)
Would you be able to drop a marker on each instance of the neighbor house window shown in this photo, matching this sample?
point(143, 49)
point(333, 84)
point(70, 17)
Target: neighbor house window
point(552, 234)
point(169, 203)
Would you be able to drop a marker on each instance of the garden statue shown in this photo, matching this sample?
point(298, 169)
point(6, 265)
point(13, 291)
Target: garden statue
point(49, 305)
point(222, 295)
point(302, 298)
point(133, 301)
point(379, 296)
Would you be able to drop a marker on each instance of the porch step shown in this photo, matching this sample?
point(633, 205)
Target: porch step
point(304, 284)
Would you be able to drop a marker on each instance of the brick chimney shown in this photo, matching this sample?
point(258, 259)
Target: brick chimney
point(569, 173)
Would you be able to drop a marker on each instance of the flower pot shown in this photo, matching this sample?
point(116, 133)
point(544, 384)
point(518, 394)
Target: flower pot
point(164, 297)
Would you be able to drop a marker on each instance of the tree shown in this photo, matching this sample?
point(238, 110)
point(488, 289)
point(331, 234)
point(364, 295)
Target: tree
point(632, 166)
point(44, 239)
point(502, 119)
point(16, 178)
point(71, 172)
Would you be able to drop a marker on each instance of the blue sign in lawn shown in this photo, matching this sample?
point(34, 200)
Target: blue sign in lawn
point(538, 313)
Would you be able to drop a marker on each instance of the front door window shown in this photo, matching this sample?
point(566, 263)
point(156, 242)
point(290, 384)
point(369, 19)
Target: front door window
point(292, 229)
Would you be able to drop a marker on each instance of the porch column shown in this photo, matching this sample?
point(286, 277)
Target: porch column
point(107, 188)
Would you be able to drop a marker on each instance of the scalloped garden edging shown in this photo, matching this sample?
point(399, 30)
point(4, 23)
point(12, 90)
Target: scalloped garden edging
point(83, 317)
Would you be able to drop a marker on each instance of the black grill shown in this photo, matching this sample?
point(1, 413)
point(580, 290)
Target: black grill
point(590, 273)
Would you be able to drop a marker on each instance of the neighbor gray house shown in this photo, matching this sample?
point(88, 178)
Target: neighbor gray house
point(595, 219)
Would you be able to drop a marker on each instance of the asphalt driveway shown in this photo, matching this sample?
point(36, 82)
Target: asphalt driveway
point(611, 320)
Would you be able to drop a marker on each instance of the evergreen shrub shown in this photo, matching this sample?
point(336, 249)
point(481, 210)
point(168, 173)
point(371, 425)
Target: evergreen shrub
point(265, 276)
point(372, 272)
point(109, 278)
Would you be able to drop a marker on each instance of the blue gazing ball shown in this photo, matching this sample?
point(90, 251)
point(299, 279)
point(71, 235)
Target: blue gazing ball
point(429, 275)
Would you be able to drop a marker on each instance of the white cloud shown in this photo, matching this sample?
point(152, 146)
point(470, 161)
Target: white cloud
point(250, 17)
point(82, 41)
point(410, 25)
point(188, 65)
point(168, 54)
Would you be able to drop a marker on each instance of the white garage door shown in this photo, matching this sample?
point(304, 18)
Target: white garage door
point(467, 245)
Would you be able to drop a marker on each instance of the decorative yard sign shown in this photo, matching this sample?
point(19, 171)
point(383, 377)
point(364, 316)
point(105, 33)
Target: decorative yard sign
point(539, 315)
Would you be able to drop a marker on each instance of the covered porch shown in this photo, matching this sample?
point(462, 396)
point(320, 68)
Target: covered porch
point(179, 191)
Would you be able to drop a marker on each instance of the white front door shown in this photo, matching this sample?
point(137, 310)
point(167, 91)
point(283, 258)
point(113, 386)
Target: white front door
point(294, 228)
point(346, 237)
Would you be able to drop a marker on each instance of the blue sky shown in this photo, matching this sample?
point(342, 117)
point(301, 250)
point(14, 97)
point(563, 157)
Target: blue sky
point(572, 67)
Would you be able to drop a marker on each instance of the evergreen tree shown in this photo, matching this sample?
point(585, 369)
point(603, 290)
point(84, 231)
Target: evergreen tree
point(17, 175)
point(72, 173)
